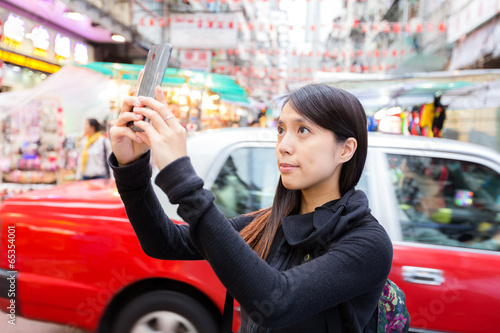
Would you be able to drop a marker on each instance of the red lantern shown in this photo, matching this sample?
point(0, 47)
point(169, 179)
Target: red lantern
point(396, 27)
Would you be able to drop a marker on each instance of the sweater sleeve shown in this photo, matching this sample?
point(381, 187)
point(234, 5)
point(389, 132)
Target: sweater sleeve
point(356, 265)
point(158, 235)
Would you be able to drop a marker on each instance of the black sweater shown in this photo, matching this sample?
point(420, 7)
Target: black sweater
point(337, 257)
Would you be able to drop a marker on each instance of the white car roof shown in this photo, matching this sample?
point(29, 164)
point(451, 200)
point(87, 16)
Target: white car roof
point(205, 144)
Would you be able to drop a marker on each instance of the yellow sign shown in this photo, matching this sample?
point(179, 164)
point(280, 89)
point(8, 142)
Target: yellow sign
point(21, 60)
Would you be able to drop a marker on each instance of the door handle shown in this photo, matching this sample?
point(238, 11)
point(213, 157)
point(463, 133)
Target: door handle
point(423, 275)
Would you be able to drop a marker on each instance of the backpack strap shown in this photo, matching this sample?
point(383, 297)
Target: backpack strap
point(227, 315)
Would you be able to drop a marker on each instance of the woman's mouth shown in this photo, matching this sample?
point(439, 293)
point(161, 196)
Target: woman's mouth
point(285, 167)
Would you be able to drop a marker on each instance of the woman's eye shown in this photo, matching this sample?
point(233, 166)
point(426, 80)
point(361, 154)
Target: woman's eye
point(303, 130)
point(280, 130)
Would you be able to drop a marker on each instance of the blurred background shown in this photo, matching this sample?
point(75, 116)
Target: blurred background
point(419, 67)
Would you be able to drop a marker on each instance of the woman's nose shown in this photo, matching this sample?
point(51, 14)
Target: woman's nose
point(285, 145)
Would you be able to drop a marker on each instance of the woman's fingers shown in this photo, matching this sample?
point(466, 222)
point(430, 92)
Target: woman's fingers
point(134, 89)
point(159, 104)
point(129, 103)
point(120, 131)
point(126, 117)
point(160, 96)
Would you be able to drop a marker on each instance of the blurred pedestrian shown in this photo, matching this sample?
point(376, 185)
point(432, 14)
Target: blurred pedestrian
point(93, 161)
point(316, 261)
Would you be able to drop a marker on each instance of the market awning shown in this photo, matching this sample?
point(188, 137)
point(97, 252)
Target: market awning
point(225, 86)
point(404, 94)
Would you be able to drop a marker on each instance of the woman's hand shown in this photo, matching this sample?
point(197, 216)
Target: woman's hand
point(163, 133)
point(126, 145)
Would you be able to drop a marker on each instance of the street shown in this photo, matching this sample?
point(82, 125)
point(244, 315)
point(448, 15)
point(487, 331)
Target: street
point(24, 325)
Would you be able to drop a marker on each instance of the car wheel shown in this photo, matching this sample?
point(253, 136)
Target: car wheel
point(165, 312)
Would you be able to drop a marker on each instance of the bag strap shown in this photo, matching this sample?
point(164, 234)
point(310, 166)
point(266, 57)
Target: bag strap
point(227, 315)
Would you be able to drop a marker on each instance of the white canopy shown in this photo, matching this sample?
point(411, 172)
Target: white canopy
point(83, 93)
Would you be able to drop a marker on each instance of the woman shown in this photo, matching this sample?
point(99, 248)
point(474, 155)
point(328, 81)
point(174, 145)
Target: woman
point(93, 162)
point(316, 261)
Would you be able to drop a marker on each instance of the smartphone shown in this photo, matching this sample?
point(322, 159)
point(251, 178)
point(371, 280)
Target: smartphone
point(154, 70)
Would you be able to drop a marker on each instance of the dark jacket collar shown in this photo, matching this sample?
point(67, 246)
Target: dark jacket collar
point(327, 222)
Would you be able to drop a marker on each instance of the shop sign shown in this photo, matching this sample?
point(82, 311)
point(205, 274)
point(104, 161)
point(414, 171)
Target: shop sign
point(62, 47)
point(197, 60)
point(21, 60)
point(13, 31)
point(81, 53)
point(211, 31)
point(40, 38)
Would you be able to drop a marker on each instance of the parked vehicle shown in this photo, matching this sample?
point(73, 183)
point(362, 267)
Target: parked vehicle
point(79, 263)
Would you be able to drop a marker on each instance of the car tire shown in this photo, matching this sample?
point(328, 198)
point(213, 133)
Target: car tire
point(165, 312)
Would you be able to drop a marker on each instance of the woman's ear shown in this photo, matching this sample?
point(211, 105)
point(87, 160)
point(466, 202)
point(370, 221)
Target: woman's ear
point(348, 149)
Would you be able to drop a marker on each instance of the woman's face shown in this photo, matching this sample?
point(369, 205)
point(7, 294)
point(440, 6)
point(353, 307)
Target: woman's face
point(87, 128)
point(308, 155)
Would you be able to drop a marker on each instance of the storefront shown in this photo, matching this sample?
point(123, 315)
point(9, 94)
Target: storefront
point(41, 127)
point(31, 50)
point(199, 100)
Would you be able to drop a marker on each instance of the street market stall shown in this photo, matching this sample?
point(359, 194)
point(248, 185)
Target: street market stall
point(199, 100)
point(41, 127)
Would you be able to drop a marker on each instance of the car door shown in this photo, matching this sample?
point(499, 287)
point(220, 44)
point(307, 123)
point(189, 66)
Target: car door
point(446, 257)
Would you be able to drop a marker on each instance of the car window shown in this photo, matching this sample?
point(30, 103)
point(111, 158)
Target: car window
point(247, 181)
point(447, 202)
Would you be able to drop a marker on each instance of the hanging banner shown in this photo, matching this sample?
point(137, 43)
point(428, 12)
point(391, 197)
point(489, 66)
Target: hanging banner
point(196, 60)
point(211, 31)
